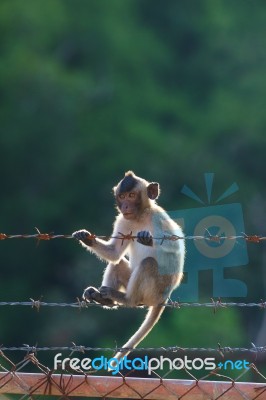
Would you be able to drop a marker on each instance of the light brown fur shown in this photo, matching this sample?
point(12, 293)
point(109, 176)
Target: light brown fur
point(153, 269)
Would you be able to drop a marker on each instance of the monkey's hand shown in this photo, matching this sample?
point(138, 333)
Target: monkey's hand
point(145, 238)
point(84, 236)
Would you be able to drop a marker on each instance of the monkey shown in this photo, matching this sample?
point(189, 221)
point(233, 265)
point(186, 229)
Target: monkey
point(144, 271)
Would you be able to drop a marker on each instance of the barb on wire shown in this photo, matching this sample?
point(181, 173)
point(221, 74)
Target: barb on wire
point(217, 304)
point(254, 238)
point(36, 304)
point(129, 236)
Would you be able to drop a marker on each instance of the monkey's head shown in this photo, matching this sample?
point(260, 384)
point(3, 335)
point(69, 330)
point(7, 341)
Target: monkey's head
point(134, 194)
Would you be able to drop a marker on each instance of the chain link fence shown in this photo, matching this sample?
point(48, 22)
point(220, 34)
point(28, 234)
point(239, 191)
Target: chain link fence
point(30, 379)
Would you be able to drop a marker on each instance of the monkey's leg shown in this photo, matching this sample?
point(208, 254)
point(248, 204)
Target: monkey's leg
point(148, 286)
point(116, 276)
point(142, 283)
point(109, 293)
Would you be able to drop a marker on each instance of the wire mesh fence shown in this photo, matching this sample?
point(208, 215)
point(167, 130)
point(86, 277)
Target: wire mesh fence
point(68, 384)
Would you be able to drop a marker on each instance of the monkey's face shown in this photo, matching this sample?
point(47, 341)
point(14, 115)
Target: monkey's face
point(129, 204)
point(133, 195)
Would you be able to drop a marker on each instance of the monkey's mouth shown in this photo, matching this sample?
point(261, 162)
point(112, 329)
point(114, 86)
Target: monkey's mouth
point(128, 215)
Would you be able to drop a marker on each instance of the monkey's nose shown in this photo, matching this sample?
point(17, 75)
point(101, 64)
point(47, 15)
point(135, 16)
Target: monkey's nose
point(126, 206)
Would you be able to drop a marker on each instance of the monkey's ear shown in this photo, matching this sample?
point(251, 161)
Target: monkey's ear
point(153, 190)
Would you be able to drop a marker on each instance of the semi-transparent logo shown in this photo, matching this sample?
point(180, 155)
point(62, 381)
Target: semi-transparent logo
point(212, 219)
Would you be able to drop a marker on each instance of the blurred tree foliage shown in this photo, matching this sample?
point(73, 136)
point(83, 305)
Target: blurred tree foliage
point(91, 88)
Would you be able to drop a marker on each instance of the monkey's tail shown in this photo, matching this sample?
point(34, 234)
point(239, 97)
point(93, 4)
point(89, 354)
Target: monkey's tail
point(150, 320)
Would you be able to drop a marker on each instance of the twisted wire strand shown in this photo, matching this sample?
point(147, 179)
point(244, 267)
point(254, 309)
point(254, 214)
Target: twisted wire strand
point(214, 304)
point(172, 349)
point(208, 237)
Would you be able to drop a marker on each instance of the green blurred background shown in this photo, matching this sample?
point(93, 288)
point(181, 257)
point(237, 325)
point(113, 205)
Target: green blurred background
point(91, 88)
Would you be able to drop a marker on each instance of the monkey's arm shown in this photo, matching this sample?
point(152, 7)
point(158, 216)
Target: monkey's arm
point(165, 227)
point(112, 250)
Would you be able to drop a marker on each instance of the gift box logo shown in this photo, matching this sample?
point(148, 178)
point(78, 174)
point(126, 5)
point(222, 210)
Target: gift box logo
point(212, 220)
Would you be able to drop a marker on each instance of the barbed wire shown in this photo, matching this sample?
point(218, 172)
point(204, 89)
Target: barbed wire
point(45, 382)
point(208, 237)
point(222, 350)
point(80, 304)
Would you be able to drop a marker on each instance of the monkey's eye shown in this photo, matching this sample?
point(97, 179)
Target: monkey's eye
point(121, 196)
point(132, 195)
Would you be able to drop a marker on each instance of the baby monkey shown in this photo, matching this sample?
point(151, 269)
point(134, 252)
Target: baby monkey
point(144, 271)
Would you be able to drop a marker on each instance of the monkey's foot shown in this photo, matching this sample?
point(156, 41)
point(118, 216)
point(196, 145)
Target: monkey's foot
point(91, 294)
